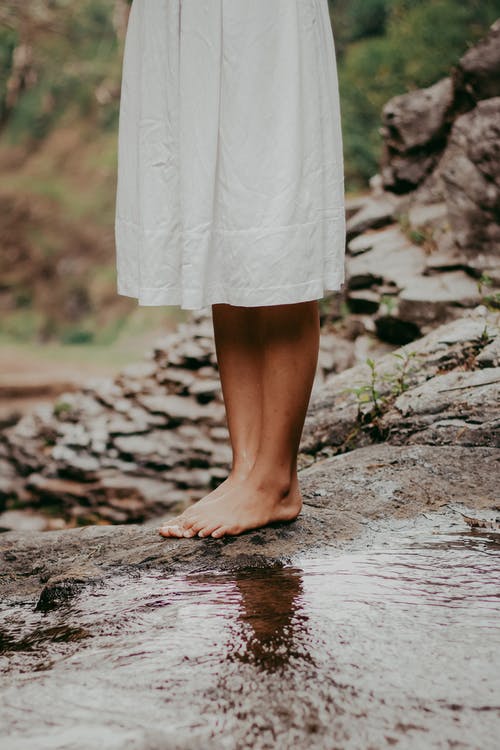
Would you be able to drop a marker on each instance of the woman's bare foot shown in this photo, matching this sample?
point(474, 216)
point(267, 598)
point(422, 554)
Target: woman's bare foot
point(247, 505)
point(231, 481)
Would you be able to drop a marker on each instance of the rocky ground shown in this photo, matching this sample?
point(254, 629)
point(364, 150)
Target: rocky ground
point(413, 432)
point(342, 494)
point(132, 448)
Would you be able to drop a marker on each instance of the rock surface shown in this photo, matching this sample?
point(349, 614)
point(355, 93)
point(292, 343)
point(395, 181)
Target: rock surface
point(425, 242)
point(127, 450)
point(470, 174)
point(366, 404)
point(341, 495)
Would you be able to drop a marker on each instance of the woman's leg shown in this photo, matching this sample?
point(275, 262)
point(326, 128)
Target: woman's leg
point(239, 352)
point(239, 349)
point(290, 343)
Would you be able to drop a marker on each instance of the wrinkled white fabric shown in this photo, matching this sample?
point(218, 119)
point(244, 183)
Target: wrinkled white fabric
point(230, 170)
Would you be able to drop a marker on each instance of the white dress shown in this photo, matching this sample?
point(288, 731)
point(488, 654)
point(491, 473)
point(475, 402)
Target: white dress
point(230, 182)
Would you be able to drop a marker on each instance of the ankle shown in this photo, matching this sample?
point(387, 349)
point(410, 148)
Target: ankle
point(278, 484)
point(239, 473)
point(241, 468)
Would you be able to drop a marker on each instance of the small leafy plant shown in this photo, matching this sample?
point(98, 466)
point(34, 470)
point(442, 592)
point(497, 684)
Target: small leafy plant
point(399, 378)
point(491, 301)
point(370, 393)
point(61, 408)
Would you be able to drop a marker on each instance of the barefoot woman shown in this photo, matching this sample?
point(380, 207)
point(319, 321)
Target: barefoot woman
point(230, 194)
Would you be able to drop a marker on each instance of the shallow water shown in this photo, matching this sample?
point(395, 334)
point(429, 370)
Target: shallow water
point(393, 646)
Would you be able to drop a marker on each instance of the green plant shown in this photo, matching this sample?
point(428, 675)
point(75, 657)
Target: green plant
point(77, 336)
point(61, 407)
point(485, 336)
point(389, 303)
point(398, 379)
point(484, 281)
point(368, 393)
point(491, 301)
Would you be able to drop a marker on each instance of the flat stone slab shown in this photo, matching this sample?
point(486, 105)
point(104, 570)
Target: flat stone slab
point(392, 258)
point(455, 408)
point(333, 419)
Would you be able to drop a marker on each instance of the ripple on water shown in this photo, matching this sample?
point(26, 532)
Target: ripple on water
point(376, 647)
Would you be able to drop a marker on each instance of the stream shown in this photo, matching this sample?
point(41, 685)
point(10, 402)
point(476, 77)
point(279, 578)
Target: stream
point(394, 644)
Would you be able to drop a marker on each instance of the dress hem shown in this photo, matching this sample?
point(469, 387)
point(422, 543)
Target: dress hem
point(259, 297)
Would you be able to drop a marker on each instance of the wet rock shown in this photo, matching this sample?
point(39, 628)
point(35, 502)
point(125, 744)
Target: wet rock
point(60, 589)
point(340, 494)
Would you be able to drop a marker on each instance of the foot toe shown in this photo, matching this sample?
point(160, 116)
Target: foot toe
point(188, 523)
point(206, 530)
point(197, 526)
point(171, 530)
point(217, 533)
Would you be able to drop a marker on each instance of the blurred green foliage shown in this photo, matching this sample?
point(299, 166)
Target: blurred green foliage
point(74, 70)
point(384, 47)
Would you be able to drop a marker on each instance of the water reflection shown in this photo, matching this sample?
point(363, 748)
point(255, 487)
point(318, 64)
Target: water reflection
point(271, 626)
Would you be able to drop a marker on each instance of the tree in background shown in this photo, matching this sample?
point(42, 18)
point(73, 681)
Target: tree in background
point(387, 47)
point(58, 60)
